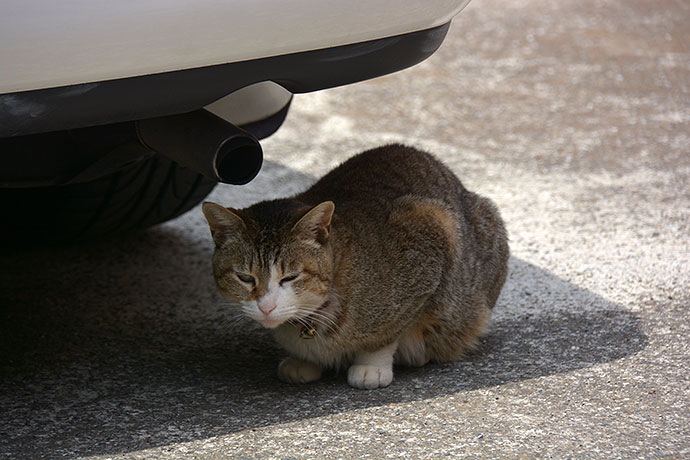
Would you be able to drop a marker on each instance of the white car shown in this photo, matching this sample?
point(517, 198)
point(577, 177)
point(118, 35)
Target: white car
point(121, 114)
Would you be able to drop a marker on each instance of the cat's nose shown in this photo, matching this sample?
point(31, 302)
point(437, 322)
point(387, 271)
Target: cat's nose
point(266, 308)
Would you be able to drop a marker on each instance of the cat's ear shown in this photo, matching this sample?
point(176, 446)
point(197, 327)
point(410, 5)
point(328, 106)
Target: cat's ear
point(224, 222)
point(316, 223)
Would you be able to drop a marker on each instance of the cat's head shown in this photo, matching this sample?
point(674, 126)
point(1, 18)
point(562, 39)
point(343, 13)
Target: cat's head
point(273, 259)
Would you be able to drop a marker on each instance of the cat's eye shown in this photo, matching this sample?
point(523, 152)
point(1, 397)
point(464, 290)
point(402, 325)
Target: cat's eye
point(287, 279)
point(246, 278)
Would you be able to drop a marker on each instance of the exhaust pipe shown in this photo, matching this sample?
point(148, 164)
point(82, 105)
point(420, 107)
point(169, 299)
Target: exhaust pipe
point(204, 143)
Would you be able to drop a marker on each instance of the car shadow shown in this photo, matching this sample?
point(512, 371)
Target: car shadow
point(124, 345)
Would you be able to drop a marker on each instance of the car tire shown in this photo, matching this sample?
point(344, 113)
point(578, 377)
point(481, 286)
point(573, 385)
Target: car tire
point(113, 184)
point(146, 192)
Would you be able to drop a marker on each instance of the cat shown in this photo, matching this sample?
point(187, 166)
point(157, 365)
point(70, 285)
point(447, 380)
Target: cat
point(387, 259)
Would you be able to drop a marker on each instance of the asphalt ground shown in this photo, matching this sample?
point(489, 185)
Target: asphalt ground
point(573, 116)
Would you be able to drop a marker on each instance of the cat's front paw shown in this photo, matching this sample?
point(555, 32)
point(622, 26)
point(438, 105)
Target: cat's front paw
point(369, 376)
point(293, 370)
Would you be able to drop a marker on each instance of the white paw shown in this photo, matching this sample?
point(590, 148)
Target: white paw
point(293, 370)
point(369, 376)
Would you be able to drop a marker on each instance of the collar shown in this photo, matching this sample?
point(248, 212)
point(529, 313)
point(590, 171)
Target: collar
point(307, 327)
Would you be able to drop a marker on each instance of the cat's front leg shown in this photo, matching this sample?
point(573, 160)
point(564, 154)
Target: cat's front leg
point(372, 370)
point(293, 370)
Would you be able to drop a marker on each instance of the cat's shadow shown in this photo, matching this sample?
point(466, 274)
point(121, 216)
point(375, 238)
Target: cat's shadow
point(125, 345)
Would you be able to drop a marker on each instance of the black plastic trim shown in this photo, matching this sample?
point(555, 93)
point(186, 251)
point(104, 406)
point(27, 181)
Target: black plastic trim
point(182, 91)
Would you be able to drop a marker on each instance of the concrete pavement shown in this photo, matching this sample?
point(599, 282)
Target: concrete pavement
point(573, 116)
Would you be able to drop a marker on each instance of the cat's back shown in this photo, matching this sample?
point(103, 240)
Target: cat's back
point(384, 174)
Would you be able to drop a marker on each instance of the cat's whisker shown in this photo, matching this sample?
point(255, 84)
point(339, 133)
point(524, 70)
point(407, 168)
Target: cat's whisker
point(308, 318)
point(299, 322)
point(320, 340)
point(309, 306)
point(316, 316)
point(323, 316)
point(238, 319)
point(327, 323)
point(232, 321)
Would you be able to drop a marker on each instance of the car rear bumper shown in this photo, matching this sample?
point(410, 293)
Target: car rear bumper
point(51, 44)
point(161, 94)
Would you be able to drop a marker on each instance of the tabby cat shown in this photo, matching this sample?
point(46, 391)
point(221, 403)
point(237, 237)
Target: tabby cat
point(387, 259)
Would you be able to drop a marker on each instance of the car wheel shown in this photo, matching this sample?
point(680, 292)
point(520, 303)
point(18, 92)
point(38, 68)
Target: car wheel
point(146, 192)
point(110, 183)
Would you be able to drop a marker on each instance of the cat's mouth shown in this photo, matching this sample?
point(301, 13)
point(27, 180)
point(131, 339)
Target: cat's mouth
point(271, 323)
point(307, 324)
